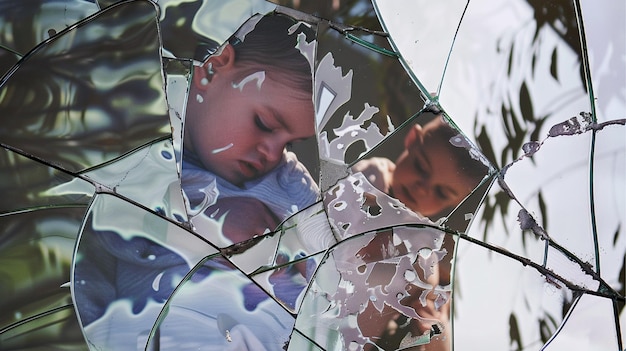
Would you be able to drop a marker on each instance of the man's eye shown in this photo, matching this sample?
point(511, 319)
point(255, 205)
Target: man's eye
point(417, 165)
point(440, 193)
point(261, 125)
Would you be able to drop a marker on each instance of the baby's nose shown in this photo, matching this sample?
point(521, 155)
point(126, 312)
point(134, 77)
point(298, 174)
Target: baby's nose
point(271, 151)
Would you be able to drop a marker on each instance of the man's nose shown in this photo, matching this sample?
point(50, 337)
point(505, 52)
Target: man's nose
point(421, 187)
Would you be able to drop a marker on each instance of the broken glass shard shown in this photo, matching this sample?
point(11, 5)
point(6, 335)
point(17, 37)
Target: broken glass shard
point(97, 96)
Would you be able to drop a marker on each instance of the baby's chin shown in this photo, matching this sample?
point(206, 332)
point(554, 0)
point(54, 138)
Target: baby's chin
point(240, 180)
point(231, 177)
point(236, 174)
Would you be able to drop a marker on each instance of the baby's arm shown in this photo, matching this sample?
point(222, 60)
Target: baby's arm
point(243, 217)
point(378, 171)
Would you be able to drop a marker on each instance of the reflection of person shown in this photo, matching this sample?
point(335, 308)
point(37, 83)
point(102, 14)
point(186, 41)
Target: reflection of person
point(431, 175)
point(247, 102)
point(391, 327)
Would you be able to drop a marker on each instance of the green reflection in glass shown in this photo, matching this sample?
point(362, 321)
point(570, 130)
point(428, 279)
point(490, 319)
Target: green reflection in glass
point(195, 29)
point(25, 24)
point(28, 185)
point(8, 59)
point(89, 95)
point(42, 210)
point(36, 249)
point(57, 329)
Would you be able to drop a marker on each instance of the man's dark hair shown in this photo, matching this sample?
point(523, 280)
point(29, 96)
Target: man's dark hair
point(472, 168)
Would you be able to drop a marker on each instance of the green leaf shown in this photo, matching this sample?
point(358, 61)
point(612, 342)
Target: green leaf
point(622, 281)
point(543, 211)
point(510, 67)
point(518, 137)
point(526, 103)
point(484, 143)
point(553, 65)
point(514, 333)
point(534, 135)
point(547, 327)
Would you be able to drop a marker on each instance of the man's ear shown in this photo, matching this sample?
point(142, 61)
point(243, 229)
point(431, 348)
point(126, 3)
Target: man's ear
point(217, 63)
point(414, 132)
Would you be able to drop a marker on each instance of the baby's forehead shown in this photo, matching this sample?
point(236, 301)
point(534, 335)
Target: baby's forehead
point(291, 84)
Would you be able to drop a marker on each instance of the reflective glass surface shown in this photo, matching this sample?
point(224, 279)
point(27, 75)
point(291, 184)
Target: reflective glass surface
point(312, 175)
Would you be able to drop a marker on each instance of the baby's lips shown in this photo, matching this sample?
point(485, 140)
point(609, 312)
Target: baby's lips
point(257, 166)
point(246, 169)
point(251, 169)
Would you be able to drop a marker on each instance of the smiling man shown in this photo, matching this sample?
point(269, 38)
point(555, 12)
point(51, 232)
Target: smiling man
point(431, 175)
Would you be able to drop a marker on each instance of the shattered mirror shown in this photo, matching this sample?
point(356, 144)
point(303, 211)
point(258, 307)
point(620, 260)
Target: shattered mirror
point(527, 78)
point(312, 175)
point(381, 290)
point(257, 88)
point(434, 169)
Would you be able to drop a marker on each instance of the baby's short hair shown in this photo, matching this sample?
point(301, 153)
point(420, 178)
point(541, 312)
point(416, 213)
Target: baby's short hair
point(273, 45)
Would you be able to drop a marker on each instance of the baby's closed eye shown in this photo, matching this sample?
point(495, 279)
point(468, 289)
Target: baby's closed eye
point(262, 125)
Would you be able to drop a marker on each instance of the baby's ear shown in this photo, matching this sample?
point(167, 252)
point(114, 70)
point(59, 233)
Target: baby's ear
point(414, 132)
point(225, 59)
point(217, 63)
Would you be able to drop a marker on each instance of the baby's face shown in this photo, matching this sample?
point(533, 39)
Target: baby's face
point(240, 124)
point(427, 179)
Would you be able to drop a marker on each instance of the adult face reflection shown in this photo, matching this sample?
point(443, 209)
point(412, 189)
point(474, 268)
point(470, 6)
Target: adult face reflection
point(432, 175)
